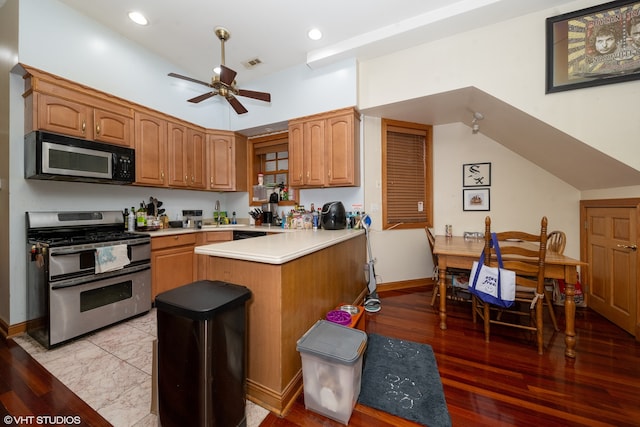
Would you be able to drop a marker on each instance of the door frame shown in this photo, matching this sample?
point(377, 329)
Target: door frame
point(610, 203)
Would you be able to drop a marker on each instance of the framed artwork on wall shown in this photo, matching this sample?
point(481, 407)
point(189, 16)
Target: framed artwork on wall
point(475, 199)
point(476, 175)
point(594, 46)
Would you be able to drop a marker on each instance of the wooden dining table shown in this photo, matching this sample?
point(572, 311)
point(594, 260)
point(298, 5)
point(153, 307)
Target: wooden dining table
point(460, 252)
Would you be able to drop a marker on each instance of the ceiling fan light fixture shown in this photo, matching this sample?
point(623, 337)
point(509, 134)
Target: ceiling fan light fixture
point(224, 83)
point(314, 34)
point(138, 18)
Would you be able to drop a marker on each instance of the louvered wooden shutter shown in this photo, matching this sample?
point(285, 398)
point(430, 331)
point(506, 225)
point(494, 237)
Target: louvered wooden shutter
point(408, 177)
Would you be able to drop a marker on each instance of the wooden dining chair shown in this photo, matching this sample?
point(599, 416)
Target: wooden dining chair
point(436, 275)
point(525, 254)
point(556, 241)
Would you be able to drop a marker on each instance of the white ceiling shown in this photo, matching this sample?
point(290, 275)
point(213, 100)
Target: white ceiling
point(274, 31)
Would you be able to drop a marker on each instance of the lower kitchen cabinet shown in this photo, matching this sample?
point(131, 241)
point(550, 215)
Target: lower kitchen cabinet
point(207, 238)
point(172, 262)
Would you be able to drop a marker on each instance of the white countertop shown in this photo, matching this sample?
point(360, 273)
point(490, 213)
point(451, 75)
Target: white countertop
point(227, 227)
point(279, 248)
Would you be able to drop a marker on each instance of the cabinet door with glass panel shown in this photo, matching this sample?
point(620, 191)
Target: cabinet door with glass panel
point(269, 159)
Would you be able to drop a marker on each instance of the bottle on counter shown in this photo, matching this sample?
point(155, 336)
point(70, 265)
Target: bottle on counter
point(131, 220)
point(141, 217)
point(233, 218)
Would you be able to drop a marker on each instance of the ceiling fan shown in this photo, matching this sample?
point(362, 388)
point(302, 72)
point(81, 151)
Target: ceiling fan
point(224, 84)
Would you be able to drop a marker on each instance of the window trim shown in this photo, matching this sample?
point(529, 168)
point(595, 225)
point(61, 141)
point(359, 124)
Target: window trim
point(412, 129)
point(258, 145)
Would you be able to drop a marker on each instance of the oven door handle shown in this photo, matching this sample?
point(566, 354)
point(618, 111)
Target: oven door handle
point(101, 276)
point(61, 253)
point(140, 244)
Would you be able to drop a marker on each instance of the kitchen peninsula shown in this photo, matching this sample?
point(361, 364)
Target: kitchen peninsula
point(295, 279)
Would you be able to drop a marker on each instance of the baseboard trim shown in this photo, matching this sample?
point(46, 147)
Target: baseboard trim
point(10, 331)
point(405, 284)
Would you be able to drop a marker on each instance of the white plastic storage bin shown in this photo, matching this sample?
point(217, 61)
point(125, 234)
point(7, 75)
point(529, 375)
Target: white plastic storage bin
point(332, 368)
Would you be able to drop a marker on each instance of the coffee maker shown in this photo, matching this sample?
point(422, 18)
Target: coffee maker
point(270, 210)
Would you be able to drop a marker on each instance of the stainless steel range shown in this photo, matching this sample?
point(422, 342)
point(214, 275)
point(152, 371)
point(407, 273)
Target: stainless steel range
point(84, 273)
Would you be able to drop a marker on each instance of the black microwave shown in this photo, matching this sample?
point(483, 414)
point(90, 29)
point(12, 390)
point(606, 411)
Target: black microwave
point(63, 158)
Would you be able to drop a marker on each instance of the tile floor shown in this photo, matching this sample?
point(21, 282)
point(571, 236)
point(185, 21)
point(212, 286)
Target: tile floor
point(111, 371)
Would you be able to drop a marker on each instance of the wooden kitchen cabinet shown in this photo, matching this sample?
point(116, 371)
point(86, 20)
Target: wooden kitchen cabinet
point(196, 158)
point(324, 150)
point(186, 148)
point(173, 262)
point(169, 152)
point(77, 118)
point(226, 161)
point(306, 154)
point(207, 238)
point(151, 149)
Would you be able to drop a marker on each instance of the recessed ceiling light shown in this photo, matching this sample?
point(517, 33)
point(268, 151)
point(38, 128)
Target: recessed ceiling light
point(314, 34)
point(138, 18)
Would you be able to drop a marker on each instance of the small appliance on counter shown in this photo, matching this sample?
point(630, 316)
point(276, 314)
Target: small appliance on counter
point(333, 216)
point(270, 210)
point(192, 219)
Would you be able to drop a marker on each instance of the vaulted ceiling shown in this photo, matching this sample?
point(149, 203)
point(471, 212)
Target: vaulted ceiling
point(274, 32)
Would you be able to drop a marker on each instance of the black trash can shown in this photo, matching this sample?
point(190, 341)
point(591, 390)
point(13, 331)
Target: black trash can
point(202, 354)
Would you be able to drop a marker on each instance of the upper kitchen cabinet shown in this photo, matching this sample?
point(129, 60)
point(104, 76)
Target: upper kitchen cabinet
point(186, 147)
point(226, 161)
point(64, 107)
point(324, 150)
point(151, 150)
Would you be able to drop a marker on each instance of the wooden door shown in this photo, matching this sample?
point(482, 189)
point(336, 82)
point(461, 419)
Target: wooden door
point(151, 150)
point(112, 128)
point(64, 116)
point(196, 164)
point(177, 159)
point(313, 153)
point(342, 151)
point(611, 282)
point(220, 162)
point(296, 152)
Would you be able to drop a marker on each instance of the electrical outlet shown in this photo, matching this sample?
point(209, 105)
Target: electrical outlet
point(420, 206)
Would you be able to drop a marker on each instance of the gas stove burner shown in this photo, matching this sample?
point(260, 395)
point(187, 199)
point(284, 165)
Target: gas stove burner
point(77, 228)
point(86, 238)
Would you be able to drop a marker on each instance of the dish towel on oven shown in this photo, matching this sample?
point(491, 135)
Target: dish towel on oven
point(109, 258)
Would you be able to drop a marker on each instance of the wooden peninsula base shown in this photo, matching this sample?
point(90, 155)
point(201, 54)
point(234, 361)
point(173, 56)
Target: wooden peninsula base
point(287, 300)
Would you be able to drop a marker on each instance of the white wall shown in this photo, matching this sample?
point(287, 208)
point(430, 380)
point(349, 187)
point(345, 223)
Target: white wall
point(520, 194)
point(507, 60)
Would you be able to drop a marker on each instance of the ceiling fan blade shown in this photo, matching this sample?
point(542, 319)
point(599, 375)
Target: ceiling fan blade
point(202, 97)
point(189, 79)
point(236, 105)
point(262, 96)
point(227, 75)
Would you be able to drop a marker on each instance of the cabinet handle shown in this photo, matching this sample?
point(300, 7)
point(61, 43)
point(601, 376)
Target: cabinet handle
point(162, 176)
point(329, 173)
point(98, 130)
point(84, 126)
point(186, 178)
point(193, 179)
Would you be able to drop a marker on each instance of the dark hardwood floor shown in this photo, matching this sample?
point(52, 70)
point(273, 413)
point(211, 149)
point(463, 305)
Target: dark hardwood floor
point(502, 383)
